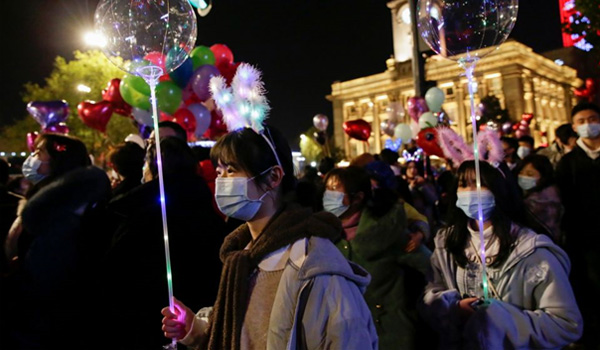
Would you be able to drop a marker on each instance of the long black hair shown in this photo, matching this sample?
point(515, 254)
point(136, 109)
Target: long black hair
point(508, 210)
point(246, 150)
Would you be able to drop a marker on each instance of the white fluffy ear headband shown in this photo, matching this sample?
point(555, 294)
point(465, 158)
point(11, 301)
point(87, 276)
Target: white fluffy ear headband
point(243, 104)
point(455, 148)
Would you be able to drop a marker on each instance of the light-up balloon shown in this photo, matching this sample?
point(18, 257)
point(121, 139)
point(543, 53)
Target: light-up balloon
point(135, 30)
point(466, 30)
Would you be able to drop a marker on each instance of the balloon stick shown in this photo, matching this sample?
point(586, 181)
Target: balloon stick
point(151, 75)
point(469, 66)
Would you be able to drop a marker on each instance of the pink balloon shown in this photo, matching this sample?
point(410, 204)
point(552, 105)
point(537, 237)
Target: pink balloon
point(415, 107)
point(60, 128)
point(31, 137)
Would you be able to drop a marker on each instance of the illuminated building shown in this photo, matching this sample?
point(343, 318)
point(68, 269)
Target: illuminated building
point(523, 81)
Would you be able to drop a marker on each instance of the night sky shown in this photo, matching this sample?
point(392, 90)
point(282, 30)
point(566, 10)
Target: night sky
point(302, 46)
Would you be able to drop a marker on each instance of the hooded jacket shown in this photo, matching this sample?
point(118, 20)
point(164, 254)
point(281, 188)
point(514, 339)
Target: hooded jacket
point(536, 307)
point(319, 297)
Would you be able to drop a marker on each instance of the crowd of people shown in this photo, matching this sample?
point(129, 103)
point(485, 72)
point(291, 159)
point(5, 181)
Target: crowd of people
point(379, 254)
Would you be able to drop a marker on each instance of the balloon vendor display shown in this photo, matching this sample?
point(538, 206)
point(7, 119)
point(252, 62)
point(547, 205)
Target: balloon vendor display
point(466, 31)
point(149, 39)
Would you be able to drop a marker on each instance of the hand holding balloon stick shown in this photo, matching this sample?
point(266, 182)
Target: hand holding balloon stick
point(148, 40)
point(466, 32)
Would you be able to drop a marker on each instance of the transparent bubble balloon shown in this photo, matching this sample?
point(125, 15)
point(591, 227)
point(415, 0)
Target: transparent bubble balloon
point(469, 29)
point(146, 33)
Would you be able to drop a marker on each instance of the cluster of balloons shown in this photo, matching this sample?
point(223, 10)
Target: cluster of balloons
point(51, 116)
point(183, 95)
point(522, 127)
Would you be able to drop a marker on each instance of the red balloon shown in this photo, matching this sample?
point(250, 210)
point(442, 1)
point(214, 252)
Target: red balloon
point(357, 129)
point(165, 117)
point(158, 59)
point(228, 70)
point(428, 141)
point(112, 94)
point(217, 126)
point(223, 55)
point(95, 114)
point(527, 117)
point(31, 137)
point(186, 119)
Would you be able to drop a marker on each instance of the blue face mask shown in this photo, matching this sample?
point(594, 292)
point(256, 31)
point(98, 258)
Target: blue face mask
point(588, 130)
point(527, 182)
point(333, 202)
point(231, 195)
point(467, 202)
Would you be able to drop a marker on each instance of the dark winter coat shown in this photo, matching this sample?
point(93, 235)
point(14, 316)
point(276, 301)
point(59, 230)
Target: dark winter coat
point(135, 279)
point(398, 278)
point(52, 285)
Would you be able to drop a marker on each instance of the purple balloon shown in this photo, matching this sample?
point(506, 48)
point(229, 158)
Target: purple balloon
point(202, 116)
point(145, 131)
point(142, 116)
point(48, 112)
point(200, 80)
point(60, 128)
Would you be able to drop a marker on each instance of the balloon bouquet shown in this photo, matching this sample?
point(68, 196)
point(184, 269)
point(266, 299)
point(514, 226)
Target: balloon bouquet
point(466, 31)
point(148, 39)
point(50, 115)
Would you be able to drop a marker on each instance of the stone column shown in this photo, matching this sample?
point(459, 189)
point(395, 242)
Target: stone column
point(338, 119)
point(513, 93)
point(460, 108)
point(376, 127)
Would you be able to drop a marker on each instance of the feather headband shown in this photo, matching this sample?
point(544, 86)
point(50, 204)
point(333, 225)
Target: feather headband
point(243, 104)
point(455, 148)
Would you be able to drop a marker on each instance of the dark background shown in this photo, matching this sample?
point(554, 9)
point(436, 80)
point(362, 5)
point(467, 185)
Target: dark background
point(302, 46)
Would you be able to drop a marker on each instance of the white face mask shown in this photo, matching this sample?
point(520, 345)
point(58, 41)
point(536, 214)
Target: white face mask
point(527, 182)
point(523, 152)
point(333, 202)
point(30, 169)
point(588, 130)
point(231, 195)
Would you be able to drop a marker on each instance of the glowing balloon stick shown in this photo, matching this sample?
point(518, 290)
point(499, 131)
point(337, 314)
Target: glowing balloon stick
point(468, 64)
point(151, 74)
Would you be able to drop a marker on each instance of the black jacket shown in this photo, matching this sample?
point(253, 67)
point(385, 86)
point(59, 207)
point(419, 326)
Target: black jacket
point(134, 280)
point(578, 178)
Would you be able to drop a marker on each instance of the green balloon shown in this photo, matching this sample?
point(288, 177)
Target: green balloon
point(168, 96)
point(132, 96)
point(202, 55)
point(138, 84)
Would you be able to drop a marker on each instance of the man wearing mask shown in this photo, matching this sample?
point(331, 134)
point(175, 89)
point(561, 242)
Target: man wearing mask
point(525, 146)
point(578, 175)
point(564, 143)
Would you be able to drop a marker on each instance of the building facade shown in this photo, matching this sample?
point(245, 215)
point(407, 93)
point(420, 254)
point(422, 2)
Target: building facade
point(523, 81)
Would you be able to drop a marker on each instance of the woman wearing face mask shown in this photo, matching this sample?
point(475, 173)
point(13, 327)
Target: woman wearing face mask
point(54, 245)
point(531, 303)
point(377, 235)
point(284, 284)
point(540, 195)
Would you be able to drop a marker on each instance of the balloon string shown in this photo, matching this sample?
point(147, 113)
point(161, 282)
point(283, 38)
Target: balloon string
point(161, 184)
point(469, 69)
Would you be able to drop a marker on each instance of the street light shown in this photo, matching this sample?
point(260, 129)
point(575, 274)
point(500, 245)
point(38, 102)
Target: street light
point(84, 88)
point(94, 39)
